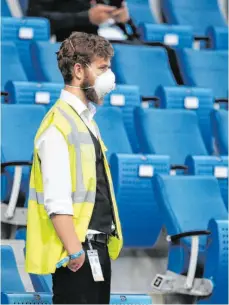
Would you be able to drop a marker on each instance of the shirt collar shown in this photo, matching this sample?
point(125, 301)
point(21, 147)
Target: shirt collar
point(77, 104)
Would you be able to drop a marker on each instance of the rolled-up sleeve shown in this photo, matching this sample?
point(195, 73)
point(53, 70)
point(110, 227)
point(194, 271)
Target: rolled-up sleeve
point(56, 174)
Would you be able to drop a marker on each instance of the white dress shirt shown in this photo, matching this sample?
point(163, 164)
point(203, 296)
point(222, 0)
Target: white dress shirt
point(55, 163)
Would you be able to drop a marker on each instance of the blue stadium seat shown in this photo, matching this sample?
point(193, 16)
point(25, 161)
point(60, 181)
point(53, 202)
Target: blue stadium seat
point(217, 252)
point(218, 37)
point(205, 68)
point(46, 298)
point(187, 203)
point(22, 31)
point(126, 98)
point(140, 11)
point(21, 234)
point(143, 66)
point(11, 67)
point(171, 35)
point(219, 119)
point(26, 298)
point(130, 299)
point(132, 178)
point(33, 93)
point(198, 14)
point(169, 132)
point(211, 166)
point(110, 123)
point(10, 278)
point(24, 5)
point(45, 62)
point(5, 11)
point(20, 123)
point(196, 99)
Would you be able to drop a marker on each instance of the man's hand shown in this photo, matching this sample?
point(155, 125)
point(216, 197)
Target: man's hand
point(100, 13)
point(121, 15)
point(75, 264)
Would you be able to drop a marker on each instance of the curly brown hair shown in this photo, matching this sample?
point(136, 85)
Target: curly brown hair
point(81, 48)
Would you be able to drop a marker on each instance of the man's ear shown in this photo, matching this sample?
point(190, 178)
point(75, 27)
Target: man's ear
point(78, 71)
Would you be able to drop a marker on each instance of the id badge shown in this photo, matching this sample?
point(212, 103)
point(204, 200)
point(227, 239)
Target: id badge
point(95, 265)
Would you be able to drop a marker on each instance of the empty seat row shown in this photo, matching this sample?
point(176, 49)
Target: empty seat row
point(13, 290)
point(172, 138)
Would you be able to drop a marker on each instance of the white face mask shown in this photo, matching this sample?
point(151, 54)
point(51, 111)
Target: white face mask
point(104, 83)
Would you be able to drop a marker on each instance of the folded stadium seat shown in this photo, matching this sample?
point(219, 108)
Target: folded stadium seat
point(11, 66)
point(151, 31)
point(218, 37)
point(45, 62)
point(187, 204)
point(126, 98)
point(205, 68)
point(5, 11)
point(10, 278)
point(169, 132)
point(196, 99)
point(132, 176)
point(19, 125)
point(172, 35)
point(216, 266)
point(46, 298)
point(219, 121)
point(33, 93)
point(143, 66)
point(211, 166)
point(23, 31)
point(110, 123)
point(198, 14)
point(26, 298)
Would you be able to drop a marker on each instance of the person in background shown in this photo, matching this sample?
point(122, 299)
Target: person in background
point(76, 15)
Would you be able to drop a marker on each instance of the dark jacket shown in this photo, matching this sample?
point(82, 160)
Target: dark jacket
point(65, 16)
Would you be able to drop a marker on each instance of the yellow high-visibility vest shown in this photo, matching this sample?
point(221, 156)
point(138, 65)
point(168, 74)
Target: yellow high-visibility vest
point(43, 247)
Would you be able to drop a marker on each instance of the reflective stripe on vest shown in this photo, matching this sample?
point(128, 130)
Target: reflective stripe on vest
point(75, 138)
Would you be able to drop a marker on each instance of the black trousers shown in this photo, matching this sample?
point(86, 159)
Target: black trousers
point(79, 287)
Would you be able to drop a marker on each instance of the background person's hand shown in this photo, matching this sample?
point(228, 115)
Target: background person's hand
point(121, 15)
point(75, 264)
point(100, 13)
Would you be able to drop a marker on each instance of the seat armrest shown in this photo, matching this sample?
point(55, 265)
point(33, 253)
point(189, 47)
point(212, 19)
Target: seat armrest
point(176, 237)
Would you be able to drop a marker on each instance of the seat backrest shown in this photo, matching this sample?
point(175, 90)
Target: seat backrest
point(211, 166)
point(169, 132)
point(171, 35)
point(33, 93)
point(143, 66)
point(198, 14)
point(10, 278)
point(132, 178)
point(110, 123)
point(218, 37)
point(45, 62)
point(219, 121)
point(19, 125)
point(205, 68)
point(140, 11)
point(26, 298)
point(22, 32)
point(126, 98)
point(5, 11)
point(187, 203)
point(216, 266)
point(195, 99)
point(11, 67)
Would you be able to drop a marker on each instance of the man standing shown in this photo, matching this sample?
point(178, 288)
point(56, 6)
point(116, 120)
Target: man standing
point(73, 223)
